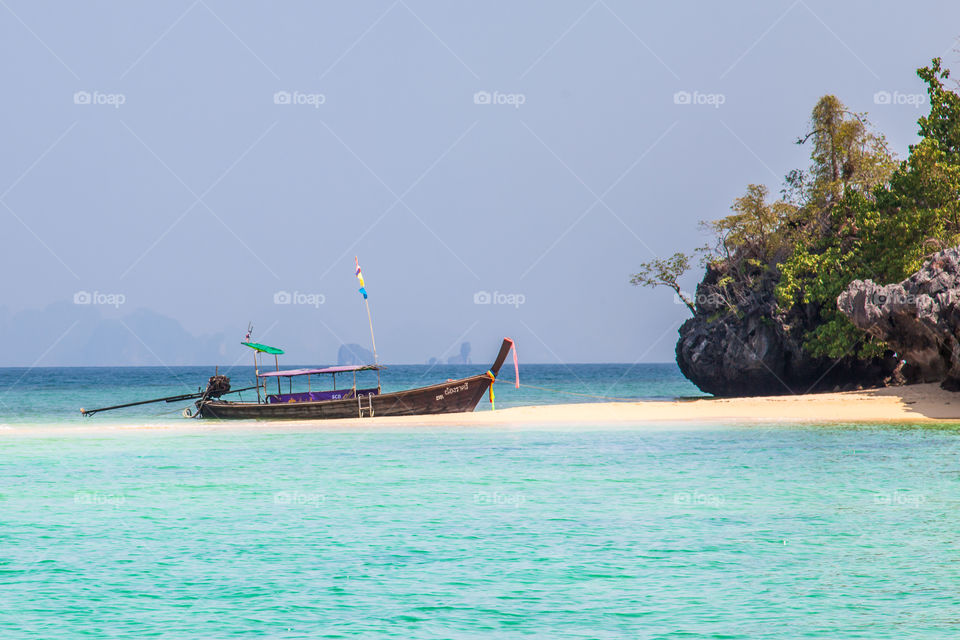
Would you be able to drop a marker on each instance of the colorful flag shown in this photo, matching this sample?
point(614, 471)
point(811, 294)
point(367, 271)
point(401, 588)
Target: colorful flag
point(363, 288)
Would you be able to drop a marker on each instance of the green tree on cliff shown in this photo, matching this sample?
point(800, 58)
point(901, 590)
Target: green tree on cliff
point(854, 213)
point(882, 228)
point(665, 272)
point(846, 155)
point(755, 230)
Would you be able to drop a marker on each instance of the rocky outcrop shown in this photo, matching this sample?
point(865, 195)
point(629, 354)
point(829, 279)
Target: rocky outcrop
point(748, 348)
point(918, 318)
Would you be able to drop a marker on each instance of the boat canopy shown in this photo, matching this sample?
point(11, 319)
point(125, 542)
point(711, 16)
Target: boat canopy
point(290, 373)
point(262, 348)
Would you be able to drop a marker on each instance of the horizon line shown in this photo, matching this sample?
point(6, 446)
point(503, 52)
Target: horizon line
point(396, 364)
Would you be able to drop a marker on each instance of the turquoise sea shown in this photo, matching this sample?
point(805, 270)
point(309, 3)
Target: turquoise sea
point(585, 531)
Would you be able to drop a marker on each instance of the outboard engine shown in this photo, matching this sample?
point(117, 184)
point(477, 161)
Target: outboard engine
point(217, 386)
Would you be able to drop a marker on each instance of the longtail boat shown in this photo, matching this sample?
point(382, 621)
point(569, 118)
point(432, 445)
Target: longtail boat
point(452, 396)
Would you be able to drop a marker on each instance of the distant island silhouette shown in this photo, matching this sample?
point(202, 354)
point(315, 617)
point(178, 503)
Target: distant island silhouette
point(354, 354)
point(462, 358)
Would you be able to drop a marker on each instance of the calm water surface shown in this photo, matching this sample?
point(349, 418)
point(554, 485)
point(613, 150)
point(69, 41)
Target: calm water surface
point(696, 531)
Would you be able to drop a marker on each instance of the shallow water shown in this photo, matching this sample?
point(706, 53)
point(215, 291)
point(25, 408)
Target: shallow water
point(46, 395)
point(713, 532)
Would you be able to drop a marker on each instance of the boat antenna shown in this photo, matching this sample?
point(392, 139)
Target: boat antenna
point(373, 340)
point(256, 365)
point(363, 291)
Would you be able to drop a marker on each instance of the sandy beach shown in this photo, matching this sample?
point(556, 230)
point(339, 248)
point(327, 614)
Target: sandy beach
point(924, 403)
point(908, 404)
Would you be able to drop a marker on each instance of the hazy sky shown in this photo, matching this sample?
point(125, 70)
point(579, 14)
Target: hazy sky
point(199, 157)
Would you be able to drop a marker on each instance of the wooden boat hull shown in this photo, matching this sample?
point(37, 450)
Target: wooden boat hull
point(453, 396)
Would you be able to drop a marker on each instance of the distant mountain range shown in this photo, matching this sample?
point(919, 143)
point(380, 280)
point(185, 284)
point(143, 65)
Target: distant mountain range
point(66, 334)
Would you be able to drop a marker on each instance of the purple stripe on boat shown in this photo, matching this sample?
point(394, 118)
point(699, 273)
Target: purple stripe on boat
point(319, 396)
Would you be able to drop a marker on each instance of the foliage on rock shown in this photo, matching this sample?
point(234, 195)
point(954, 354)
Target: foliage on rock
point(855, 213)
